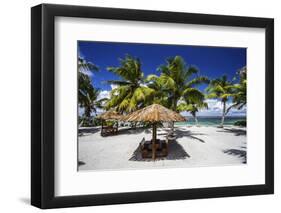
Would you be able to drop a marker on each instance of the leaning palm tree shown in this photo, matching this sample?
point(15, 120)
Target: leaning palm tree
point(130, 93)
point(193, 105)
point(223, 90)
point(176, 78)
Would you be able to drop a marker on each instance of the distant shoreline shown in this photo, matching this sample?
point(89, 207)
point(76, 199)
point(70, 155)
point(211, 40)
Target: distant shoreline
point(211, 121)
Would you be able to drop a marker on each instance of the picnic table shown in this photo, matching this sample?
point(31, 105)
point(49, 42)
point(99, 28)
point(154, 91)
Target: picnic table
point(161, 147)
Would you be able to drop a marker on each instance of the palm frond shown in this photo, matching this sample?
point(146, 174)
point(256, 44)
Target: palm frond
point(167, 81)
point(190, 71)
point(193, 95)
point(197, 81)
point(118, 83)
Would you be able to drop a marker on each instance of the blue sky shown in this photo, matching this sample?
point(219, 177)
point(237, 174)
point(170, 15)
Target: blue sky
point(211, 61)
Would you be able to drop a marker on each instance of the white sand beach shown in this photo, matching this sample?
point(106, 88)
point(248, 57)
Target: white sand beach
point(193, 147)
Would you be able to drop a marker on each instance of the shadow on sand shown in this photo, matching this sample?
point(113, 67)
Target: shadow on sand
point(236, 152)
point(130, 131)
point(183, 133)
point(236, 132)
point(175, 152)
point(83, 132)
point(121, 131)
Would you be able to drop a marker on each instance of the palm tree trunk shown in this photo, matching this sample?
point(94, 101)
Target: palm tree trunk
point(87, 114)
point(174, 107)
point(223, 113)
point(173, 127)
point(196, 120)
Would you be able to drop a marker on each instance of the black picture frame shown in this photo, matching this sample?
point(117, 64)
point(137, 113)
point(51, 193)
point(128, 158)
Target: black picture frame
point(43, 117)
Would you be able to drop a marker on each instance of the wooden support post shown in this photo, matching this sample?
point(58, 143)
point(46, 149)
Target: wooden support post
point(101, 132)
point(153, 141)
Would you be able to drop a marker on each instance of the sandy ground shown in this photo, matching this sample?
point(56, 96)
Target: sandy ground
point(194, 146)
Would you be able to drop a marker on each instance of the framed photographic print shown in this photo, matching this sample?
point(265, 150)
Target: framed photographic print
point(139, 106)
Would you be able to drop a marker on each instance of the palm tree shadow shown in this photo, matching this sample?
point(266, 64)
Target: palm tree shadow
point(175, 152)
point(236, 152)
point(83, 132)
point(236, 132)
point(180, 134)
point(131, 131)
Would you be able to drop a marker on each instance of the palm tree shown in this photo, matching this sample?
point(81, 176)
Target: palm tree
point(87, 94)
point(92, 102)
point(240, 96)
point(223, 90)
point(176, 78)
point(160, 95)
point(130, 93)
point(86, 65)
point(193, 106)
point(177, 81)
point(84, 82)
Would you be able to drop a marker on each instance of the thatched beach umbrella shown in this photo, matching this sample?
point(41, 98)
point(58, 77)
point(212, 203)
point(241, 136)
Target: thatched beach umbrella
point(109, 115)
point(153, 114)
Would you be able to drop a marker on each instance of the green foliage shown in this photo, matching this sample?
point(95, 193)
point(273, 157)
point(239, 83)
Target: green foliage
point(225, 90)
point(241, 123)
point(85, 65)
point(175, 88)
point(220, 88)
point(177, 82)
point(240, 97)
point(131, 93)
point(109, 123)
point(87, 94)
point(193, 102)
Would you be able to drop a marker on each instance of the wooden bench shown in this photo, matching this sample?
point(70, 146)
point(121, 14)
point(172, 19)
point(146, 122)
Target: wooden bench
point(109, 130)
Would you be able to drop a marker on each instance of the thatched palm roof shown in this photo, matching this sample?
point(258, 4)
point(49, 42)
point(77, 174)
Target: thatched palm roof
point(110, 115)
point(154, 113)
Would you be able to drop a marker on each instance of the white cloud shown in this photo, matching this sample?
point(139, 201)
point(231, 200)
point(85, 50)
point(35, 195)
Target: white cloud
point(113, 86)
point(86, 72)
point(99, 111)
point(80, 111)
point(104, 94)
point(215, 109)
point(143, 85)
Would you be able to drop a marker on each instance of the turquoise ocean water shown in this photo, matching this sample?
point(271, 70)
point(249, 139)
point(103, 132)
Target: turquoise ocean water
point(210, 121)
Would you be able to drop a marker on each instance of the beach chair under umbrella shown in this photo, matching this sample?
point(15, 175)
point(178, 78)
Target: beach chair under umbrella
point(154, 114)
